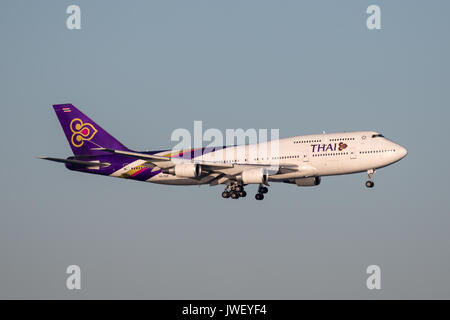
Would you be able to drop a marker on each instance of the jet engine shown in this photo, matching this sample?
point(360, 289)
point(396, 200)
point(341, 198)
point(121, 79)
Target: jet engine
point(258, 175)
point(185, 170)
point(307, 182)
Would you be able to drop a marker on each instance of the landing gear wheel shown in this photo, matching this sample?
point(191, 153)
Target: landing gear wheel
point(225, 194)
point(264, 190)
point(243, 194)
point(234, 195)
point(259, 196)
point(369, 184)
point(239, 188)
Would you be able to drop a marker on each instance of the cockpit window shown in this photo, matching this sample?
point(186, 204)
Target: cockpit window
point(377, 135)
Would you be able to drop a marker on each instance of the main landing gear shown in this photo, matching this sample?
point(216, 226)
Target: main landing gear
point(234, 192)
point(261, 191)
point(370, 183)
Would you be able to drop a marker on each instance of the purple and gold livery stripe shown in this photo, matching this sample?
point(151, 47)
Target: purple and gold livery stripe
point(141, 173)
point(145, 174)
point(135, 172)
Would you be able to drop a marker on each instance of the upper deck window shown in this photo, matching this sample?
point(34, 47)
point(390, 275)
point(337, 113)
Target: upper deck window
point(377, 135)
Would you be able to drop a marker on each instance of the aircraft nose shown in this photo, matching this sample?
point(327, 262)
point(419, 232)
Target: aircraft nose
point(402, 152)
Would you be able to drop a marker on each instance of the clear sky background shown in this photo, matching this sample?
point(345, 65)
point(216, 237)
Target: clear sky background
point(144, 68)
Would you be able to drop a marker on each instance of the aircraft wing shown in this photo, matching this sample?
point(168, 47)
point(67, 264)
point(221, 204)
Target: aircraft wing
point(218, 173)
point(143, 156)
point(159, 160)
point(226, 168)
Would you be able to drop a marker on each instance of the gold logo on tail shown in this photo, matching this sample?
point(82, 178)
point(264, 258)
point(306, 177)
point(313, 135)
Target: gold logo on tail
point(81, 132)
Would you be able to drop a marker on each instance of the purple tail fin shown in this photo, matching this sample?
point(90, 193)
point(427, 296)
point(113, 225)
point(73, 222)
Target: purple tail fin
point(82, 133)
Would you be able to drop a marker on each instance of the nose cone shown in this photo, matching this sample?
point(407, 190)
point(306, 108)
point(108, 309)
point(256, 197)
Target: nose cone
point(402, 152)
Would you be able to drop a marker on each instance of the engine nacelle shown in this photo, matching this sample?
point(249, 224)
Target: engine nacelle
point(258, 175)
point(185, 170)
point(307, 182)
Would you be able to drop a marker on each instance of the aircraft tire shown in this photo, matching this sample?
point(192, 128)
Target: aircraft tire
point(234, 195)
point(369, 184)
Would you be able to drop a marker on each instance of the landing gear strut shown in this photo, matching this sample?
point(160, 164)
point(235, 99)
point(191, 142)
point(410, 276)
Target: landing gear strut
point(370, 183)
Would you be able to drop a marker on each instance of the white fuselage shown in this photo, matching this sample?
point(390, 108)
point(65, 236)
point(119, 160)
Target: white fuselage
point(313, 155)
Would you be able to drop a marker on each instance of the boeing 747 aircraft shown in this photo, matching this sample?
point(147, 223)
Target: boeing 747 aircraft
point(300, 160)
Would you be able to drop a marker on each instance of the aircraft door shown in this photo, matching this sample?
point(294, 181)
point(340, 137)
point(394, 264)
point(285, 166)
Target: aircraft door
point(305, 155)
point(352, 152)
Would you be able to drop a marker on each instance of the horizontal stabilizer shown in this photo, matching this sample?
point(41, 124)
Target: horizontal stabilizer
point(80, 163)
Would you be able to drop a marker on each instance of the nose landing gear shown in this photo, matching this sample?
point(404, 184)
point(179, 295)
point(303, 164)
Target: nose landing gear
point(370, 183)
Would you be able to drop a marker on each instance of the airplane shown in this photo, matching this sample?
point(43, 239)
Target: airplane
point(300, 160)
